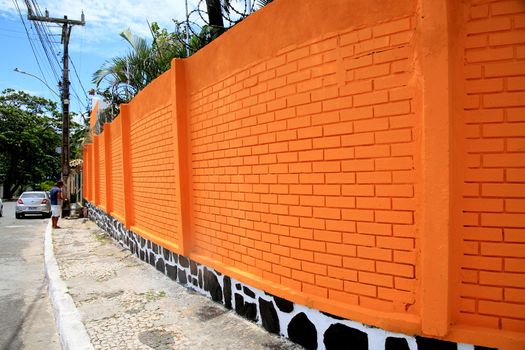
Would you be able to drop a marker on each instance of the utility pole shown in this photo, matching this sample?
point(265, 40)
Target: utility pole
point(67, 24)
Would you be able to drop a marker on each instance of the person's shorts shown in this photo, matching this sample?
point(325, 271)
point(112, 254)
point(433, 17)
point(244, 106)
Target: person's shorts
point(55, 210)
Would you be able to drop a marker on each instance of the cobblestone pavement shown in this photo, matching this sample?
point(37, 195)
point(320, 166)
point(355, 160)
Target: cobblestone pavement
point(127, 304)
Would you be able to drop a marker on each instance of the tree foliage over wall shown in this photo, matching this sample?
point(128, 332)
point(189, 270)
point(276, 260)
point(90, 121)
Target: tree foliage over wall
point(30, 138)
point(122, 77)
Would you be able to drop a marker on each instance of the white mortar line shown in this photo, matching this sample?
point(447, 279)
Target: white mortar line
point(71, 330)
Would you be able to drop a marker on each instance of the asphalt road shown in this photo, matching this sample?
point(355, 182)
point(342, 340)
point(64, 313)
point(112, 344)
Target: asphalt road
point(26, 317)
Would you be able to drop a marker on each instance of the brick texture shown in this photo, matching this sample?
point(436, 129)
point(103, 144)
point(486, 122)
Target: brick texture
point(153, 172)
point(494, 183)
point(303, 168)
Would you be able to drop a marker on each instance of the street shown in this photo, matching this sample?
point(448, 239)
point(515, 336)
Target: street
point(26, 320)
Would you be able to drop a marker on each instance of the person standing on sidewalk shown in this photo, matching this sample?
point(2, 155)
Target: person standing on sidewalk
point(56, 199)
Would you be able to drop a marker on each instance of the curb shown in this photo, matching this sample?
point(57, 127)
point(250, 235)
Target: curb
point(71, 330)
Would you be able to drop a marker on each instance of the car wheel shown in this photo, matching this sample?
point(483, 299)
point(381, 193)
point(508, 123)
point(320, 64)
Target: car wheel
point(18, 216)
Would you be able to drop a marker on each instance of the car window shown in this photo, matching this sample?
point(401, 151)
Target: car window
point(33, 195)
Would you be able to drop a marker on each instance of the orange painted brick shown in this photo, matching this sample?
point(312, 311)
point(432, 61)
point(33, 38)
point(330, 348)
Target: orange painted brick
point(328, 259)
point(328, 282)
point(358, 190)
point(340, 225)
point(340, 178)
point(303, 276)
point(327, 236)
point(327, 167)
point(373, 203)
point(488, 54)
point(358, 214)
point(391, 27)
point(374, 228)
point(327, 142)
point(374, 253)
point(482, 234)
point(489, 25)
point(327, 190)
point(356, 113)
point(499, 308)
point(507, 7)
point(515, 175)
point(395, 243)
point(503, 190)
point(301, 189)
point(359, 264)
point(395, 269)
point(327, 213)
point(372, 72)
point(358, 139)
point(501, 130)
point(375, 124)
point(374, 151)
point(338, 129)
point(300, 167)
point(515, 205)
point(342, 273)
point(405, 257)
point(514, 295)
point(502, 279)
point(360, 288)
point(376, 279)
point(357, 87)
point(314, 223)
point(394, 190)
point(374, 177)
point(507, 38)
point(482, 205)
point(315, 290)
point(503, 249)
point(482, 262)
point(337, 103)
point(478, 320)
point(515, 265)
point(313, 268)
point(311, 132)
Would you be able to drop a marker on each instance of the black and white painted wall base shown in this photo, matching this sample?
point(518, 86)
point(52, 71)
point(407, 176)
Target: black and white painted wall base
point(310, 328)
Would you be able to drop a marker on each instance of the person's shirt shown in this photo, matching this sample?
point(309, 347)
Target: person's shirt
point(54, 195)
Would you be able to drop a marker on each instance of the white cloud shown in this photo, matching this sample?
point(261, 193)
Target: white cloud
point(106, 19)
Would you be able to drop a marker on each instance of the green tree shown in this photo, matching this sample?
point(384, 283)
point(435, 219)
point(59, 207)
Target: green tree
point(29, 139)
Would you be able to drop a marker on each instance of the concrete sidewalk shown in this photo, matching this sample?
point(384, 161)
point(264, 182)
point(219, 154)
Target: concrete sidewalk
point(125, 303)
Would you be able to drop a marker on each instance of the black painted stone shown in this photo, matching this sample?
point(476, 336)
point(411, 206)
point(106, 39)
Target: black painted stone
point(337, 336)
point(238, 286)
point(182, 277)
point(283, 304)
point(152, 259)
point(155, 248)
point(393, 343)
point(171, 271)
point(424, 343)
point(248, 292)
point(302, 331)
point(248, 310)
point(211, 284)
point(193, 268)
point(478, 347)
point(166, 254)
point(200, 279)
point(269, 318)
point(149, 244)
point(194, 282)
point(227, 292)
point(142, 255)
point(160, 265)
point(183, 261)
point(142, 242)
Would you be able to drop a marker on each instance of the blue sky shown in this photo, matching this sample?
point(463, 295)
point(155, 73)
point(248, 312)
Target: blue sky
point(90, 45)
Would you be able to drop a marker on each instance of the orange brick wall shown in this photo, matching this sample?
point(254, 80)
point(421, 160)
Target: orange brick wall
point(307, 164)
point(117, 171)
point(493, 250)
point(303, 168)
point(153, 172)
